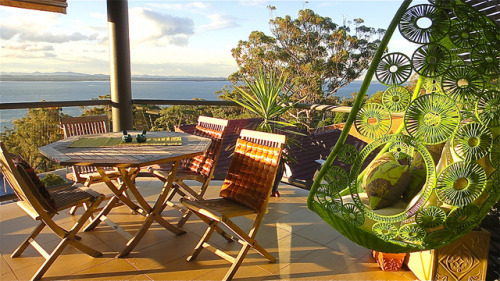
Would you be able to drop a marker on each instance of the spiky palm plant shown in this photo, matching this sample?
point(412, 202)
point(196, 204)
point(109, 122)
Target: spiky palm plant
point(267, 98)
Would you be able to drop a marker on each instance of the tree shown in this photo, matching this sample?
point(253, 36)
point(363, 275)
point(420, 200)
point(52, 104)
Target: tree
point(318, 55)
point(39, 127)
point(176, 115)
point(142, 119)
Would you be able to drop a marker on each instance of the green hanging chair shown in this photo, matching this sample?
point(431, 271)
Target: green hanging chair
point(438, 175)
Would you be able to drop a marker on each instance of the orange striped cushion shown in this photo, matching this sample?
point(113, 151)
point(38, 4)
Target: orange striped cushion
point(251, 174)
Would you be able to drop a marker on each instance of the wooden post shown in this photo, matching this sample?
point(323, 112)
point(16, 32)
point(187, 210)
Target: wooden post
point(119, 65)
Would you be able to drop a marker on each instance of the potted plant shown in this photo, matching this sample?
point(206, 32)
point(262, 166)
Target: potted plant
point(267, 97)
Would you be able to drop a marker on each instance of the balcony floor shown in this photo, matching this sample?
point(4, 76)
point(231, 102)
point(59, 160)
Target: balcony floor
point(305, 246)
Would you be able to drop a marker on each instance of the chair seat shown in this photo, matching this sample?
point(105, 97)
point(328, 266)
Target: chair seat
point(182, 174)
point(93, 177)
point(73, 195)
point(218, 208)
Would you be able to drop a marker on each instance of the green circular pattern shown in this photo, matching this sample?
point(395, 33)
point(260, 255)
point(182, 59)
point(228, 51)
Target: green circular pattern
point(336, 177)
point(386, 231)
point(430, 217)
point(401, 148)
point(322, 194)
point(393, 69)
point(460, 183)
point(396, 99)
point(432, 85)
point(472, 141)
point(373, 146)
point(488, 108)
point(373, 120)
point(432, 60)
point(352, 214)
point(495, 153)
point(493, 184)
point(492, 34)
point(486, 59)
point(439, 237)
point(471, 17)
point(432, 119)
point(462, 83)
point(443, 3)
point(411, 28)
point(462, 35)
point(334, 206)
point(412, 233)
point(462, 218)
point(348, 153)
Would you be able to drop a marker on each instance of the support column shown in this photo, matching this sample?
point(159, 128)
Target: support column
point(119, 65)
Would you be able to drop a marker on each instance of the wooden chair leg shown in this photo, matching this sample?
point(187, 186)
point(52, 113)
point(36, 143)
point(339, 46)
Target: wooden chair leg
point(102, 214)
point(239, 259)
point(26, 242)
point(203, 240)
point(50, 260)
point(68, 237)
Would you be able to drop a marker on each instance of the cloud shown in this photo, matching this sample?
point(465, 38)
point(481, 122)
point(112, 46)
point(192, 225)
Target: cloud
point(220, 21)
point(193, 7)
point(56, 38)
point(148, 26)
point(30, 47)
point(7, 32)
point(30, 34)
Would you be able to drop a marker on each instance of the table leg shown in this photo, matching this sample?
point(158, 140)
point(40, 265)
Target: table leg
point(118, 192)
point(154, 215)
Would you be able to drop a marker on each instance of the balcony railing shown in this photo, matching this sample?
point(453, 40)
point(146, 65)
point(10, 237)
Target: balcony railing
point(91, 103)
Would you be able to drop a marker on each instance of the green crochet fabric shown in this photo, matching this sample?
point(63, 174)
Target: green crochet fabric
point(450, 133)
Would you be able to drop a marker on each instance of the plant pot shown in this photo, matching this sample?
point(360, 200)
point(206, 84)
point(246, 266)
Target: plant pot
point(462, 260)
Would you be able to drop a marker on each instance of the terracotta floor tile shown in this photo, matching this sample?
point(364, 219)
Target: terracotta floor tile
point(114, 269)
point(346, 246)
point(305, 246)
point(4, 266)
point(315, 266)
point(163, 253)
point(319, 232)
point(366, 271)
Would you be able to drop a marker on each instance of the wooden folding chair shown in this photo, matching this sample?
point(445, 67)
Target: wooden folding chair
point(200, 168)
point(86, 125)
point(245, 191)
point(43, 206)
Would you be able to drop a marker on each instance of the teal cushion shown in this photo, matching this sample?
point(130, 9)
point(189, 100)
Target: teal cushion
point(386, 180)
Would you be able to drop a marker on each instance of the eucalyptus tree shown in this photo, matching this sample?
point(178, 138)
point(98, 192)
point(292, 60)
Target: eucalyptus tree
point(318, 55)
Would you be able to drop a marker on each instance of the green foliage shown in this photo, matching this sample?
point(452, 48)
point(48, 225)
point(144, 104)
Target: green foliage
point(267, 98)
point(318, 55)
point(39, 127)
point(376, 98)
point(176, 115)
point(51, 179)
point(142, 114)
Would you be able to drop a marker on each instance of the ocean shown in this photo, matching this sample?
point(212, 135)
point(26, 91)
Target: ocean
point(35, 91)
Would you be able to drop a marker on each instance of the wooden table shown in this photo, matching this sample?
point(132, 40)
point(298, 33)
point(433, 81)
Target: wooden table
point(128, 159)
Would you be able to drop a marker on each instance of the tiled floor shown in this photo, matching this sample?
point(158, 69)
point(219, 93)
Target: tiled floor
point(305, 246)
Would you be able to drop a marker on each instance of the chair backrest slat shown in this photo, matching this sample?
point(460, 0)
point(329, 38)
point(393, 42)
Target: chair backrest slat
point(253, 168)
point(85, 125)
point(214, 129)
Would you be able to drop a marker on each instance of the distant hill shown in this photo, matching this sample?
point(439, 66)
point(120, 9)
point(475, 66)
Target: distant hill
point(73, 76)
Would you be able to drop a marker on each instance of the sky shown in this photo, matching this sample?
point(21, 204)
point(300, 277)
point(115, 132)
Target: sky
point(167, 38)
